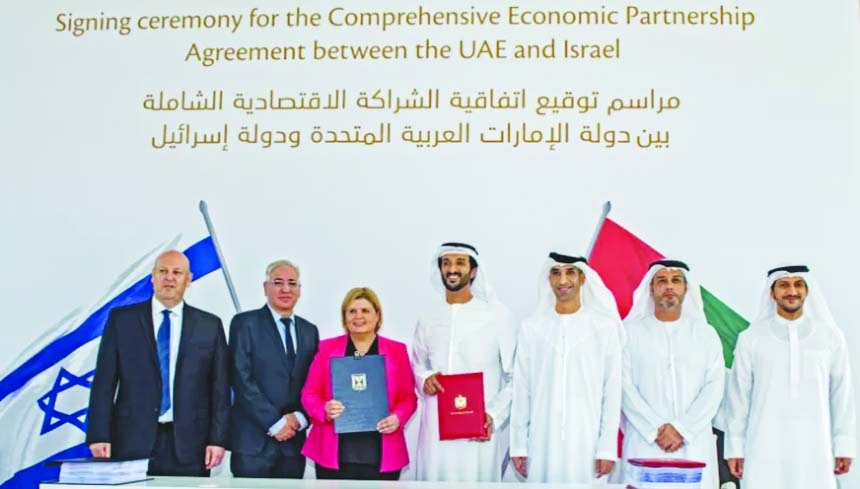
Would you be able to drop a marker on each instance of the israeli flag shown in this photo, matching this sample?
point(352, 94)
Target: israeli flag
point(44, 397)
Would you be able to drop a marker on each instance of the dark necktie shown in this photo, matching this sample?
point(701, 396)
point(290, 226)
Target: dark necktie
point(288, 341)
point(163, 342)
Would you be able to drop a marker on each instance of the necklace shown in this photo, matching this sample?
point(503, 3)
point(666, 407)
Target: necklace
point(362, 348)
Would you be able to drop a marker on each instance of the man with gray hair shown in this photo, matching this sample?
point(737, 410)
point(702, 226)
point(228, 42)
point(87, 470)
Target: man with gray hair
point(271, 350)
point(673, 374)
point(790, 401)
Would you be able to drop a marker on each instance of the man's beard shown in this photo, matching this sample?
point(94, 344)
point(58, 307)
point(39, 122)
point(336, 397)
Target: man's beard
point(789, 309)
point(670, 302)
point(460, 285)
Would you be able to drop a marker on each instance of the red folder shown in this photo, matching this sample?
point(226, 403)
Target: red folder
point(461, 406)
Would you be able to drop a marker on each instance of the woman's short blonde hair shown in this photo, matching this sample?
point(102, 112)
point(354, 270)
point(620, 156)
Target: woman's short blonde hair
point(365, 293)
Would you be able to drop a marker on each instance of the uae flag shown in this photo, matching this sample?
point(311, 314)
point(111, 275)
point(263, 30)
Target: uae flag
point(622, 260)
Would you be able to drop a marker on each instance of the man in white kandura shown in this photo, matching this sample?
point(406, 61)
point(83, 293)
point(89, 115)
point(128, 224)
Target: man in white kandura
point(674, 372)
point(567, 379)
point(470, 331)
point(789, 399)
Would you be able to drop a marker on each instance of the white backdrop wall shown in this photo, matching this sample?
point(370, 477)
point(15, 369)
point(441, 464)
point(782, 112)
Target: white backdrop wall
point(761, 167)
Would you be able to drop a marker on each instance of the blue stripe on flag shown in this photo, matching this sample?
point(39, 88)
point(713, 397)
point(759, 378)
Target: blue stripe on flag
point(204, 260)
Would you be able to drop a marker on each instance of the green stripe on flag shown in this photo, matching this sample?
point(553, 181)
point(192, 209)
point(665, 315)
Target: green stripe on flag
point(726, 321)
point(622, 258)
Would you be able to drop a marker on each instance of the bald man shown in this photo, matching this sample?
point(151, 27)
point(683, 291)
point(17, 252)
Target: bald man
point(161, 387)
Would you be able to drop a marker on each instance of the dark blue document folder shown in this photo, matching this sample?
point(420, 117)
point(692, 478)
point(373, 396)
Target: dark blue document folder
point(359, 383)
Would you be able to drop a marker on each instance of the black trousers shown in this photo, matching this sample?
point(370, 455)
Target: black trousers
point(364, 472)
point(164, 461)
point(270, 464)
point(722, 464)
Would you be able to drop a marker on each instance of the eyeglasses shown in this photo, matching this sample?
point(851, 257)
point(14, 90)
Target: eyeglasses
point(280, 284)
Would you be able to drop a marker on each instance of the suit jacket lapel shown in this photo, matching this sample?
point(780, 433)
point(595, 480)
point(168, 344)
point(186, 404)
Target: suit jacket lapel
point(186, 332)
point(299, 335)
point(274, 336)
point(303, 340)
point(299, 348)
point(148, 330)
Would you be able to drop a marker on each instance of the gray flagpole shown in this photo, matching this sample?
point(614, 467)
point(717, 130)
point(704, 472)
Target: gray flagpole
point(204, 209)
point(607, 206)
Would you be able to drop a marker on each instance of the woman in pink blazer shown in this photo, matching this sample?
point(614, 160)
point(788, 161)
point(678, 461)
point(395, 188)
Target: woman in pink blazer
point(376, 455)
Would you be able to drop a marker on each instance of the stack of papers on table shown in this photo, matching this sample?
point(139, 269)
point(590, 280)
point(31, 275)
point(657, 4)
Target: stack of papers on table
point(102, 471)
point(656, 473)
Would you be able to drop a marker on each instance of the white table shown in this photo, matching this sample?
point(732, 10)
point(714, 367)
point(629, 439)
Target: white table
point(237, 483)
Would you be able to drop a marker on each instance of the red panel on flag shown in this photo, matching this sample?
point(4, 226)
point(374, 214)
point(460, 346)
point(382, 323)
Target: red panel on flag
point(621, 259)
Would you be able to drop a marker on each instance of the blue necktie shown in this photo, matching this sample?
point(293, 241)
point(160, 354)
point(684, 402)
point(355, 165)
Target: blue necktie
point(163, 343)
point(288, 340)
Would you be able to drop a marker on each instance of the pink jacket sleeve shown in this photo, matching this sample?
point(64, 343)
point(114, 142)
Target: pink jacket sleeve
point(405, 401)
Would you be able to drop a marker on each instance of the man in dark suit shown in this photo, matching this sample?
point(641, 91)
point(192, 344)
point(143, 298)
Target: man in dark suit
point(271, 350)
point(161, 387)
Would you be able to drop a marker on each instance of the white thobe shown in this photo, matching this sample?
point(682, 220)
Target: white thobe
point(790, 404)
point(674, 372)
point(567, 395)
point(459, 338)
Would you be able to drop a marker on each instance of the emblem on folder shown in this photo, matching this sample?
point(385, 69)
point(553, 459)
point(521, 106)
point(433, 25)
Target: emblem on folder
point(460, 402)
point(359, 382)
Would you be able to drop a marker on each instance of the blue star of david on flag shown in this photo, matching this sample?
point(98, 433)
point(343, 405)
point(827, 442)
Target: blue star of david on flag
point(48, 377)
point(48, 403)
